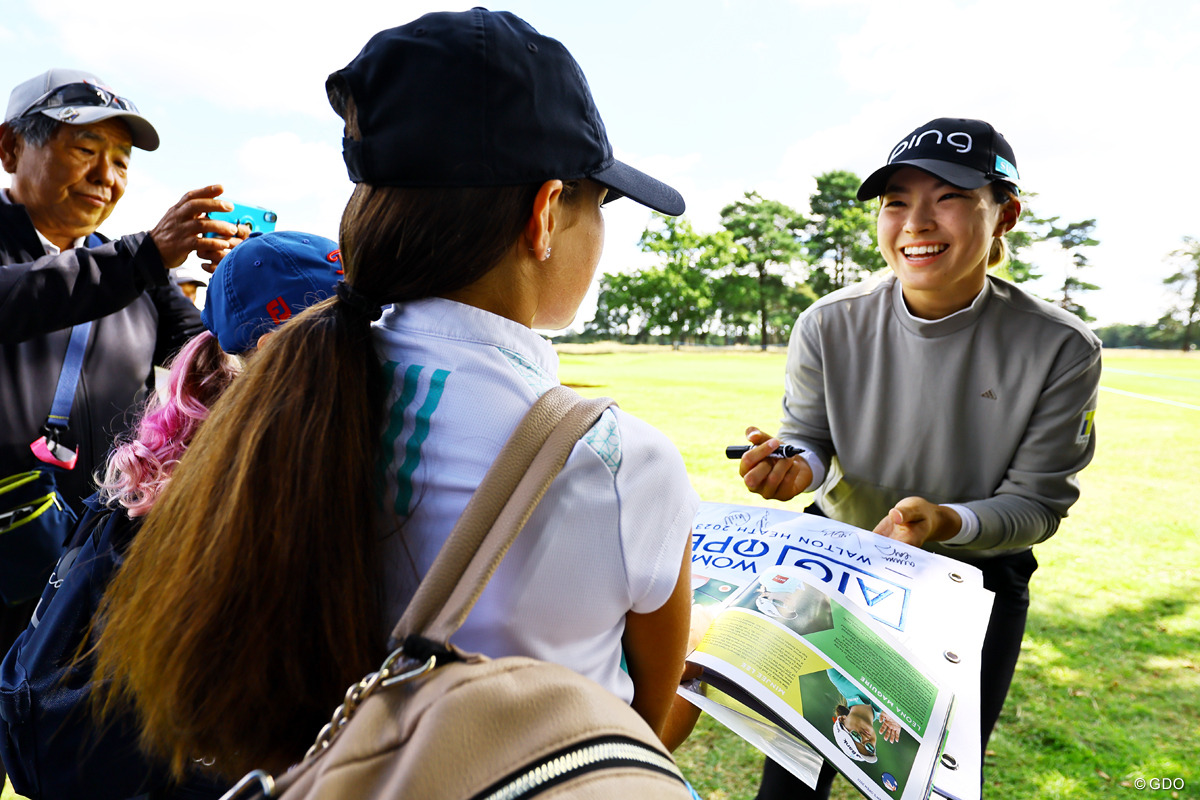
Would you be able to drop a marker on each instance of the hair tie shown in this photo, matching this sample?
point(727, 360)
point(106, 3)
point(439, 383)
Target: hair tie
point(358, 303)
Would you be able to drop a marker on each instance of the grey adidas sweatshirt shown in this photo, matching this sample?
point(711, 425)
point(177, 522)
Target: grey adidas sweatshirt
point(991, 408)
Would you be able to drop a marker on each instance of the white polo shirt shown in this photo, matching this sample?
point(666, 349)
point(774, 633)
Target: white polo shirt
point(609, 536)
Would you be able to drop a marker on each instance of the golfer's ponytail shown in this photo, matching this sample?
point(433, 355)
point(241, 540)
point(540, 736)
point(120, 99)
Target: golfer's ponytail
point(1003, 193)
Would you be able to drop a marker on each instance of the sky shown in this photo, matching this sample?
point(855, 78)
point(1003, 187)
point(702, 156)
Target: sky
point(715, 97)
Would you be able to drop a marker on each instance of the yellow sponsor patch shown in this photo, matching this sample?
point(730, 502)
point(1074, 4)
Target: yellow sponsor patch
point(1085, 427)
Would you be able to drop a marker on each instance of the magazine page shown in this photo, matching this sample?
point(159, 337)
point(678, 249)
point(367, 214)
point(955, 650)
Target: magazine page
point(787, 648)
point(772, 739)
point(936, 606)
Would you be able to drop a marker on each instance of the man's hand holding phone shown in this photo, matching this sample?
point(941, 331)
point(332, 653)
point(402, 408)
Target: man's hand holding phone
point(187, 227)
point(248, 219)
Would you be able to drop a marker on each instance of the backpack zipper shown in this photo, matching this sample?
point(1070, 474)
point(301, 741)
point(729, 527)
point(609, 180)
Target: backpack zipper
point(577, 760)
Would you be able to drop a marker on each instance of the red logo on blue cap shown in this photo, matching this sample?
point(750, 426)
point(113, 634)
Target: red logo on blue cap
point(278, 310)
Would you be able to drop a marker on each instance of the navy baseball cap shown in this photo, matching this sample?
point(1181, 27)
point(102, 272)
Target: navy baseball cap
point(78, 98)
point(967, 153)
point(479, 98)
point(266, 280)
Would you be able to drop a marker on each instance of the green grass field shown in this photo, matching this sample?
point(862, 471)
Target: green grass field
point(1108, 690)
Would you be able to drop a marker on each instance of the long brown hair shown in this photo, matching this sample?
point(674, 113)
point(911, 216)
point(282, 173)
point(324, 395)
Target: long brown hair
point(251, 599)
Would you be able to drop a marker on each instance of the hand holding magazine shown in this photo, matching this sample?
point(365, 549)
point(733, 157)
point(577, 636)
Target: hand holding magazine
point(928, 612)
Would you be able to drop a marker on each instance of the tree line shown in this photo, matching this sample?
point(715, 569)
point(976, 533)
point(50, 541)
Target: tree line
point(746, 282)
point(1179, 326)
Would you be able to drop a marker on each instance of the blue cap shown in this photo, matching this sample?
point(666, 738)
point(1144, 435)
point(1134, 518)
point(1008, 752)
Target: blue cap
point(266, 280)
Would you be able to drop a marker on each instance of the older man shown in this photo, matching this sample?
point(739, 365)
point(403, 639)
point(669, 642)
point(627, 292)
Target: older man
point(67, 141)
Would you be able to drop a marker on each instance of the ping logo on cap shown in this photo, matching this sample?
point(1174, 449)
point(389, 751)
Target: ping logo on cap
point(278, 310)
point(959, 140)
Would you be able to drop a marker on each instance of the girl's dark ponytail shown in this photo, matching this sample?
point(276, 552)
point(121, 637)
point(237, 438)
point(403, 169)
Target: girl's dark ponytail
point(250, 599)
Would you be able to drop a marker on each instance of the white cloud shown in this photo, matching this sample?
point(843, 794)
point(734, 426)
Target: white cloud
point(758, 95)
point(1088, 97)
point(262, 55)
point(304, 182)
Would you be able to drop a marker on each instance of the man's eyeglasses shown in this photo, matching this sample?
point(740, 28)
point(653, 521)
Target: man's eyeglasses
point(80, 94)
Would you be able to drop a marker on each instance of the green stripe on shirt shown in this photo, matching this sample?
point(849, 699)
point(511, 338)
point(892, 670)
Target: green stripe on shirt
point(412, 448)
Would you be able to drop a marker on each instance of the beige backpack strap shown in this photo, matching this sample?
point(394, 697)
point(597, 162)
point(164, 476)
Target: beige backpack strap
point(504, 501)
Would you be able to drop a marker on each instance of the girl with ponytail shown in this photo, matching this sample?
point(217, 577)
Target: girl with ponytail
point(308, 507)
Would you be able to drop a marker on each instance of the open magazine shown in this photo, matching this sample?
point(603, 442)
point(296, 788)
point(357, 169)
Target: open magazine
point(786, 651)
point(903, 634)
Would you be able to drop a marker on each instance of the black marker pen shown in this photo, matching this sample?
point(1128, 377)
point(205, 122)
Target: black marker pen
point(783, 451)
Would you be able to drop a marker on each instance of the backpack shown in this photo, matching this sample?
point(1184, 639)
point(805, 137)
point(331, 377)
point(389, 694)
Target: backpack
point(51, 744)
point(439, 723)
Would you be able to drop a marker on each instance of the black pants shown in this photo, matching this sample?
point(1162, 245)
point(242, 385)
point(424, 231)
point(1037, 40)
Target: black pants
point(1008, 577)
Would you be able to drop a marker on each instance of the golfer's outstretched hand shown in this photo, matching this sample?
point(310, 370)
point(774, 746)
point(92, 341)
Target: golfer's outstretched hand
point(915, 521)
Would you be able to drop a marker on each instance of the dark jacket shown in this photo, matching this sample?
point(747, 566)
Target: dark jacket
point(51, 744)
point(140, 317)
